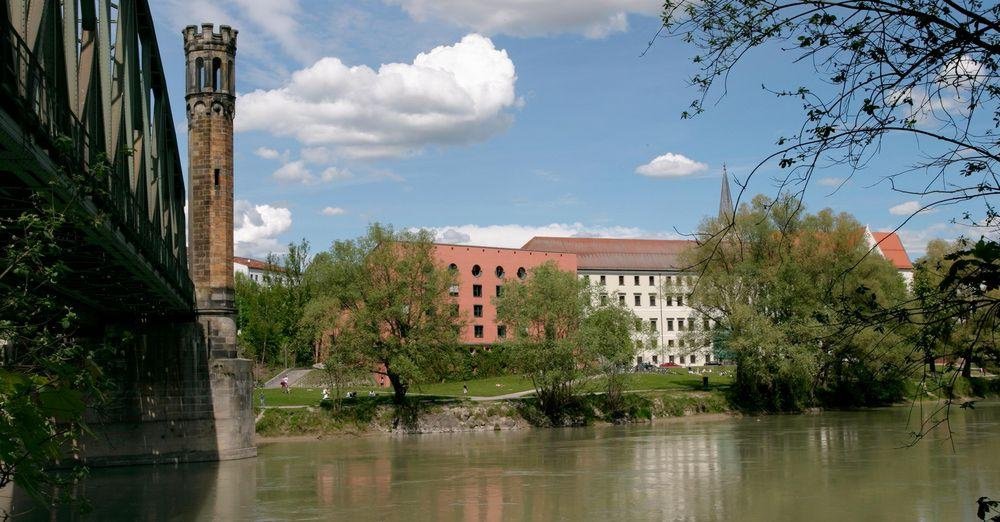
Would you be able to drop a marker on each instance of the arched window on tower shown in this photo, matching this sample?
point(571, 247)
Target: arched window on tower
point(216, 74)
point(199, 74)
point(230, 88)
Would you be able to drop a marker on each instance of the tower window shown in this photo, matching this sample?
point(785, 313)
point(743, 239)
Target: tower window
point(216, 179)
point(199, 73)
point(216, 74)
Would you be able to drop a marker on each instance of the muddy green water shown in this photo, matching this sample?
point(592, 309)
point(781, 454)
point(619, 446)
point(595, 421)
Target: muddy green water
point(842, 466)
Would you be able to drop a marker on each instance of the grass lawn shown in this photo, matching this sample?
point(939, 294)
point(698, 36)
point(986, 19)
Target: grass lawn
point(302, 396)
point(478, 387)
point(676, 380)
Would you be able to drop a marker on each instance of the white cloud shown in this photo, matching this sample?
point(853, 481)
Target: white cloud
point(670, 165)
point(591, 18)
point(294, 172)
point(333, 211)
point(515, 236)
point(454, 94)
point(908, 208)
point(335, 174)
point(257, 228)
point(831, 181)
point(267, 153)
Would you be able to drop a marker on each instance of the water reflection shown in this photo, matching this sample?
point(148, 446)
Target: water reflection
point(832, 466)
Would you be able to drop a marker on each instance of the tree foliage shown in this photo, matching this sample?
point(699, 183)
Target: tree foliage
point(926, 69)
point(561, 338)
point(49, 372)
point(785, 287)
point(269, 311)
point(383, 300)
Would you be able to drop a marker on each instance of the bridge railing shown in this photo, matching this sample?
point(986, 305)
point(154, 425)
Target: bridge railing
point(30, 93)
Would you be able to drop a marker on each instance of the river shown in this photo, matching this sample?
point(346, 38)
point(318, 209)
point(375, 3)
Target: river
point(838, 466)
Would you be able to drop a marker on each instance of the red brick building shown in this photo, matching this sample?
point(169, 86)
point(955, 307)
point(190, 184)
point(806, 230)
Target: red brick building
point(481, 272)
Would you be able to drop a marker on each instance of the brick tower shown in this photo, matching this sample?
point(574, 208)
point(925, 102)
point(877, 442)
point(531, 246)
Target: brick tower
point(211, 104)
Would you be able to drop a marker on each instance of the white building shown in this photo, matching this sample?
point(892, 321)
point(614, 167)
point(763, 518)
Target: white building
point(254, 269)
point(889, 246)
point(644, 275)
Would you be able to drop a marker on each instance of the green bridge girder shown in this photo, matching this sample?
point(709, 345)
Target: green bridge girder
point(82, 85)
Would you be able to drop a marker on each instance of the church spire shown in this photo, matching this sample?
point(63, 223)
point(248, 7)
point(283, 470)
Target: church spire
point(725, 200)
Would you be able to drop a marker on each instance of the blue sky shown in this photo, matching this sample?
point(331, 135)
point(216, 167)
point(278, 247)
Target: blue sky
point(491, 122)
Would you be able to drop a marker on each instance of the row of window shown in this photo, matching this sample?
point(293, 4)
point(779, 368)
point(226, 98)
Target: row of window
point(477, 290)
point(681, 280)
point(684, 359)
point(683, 323)
point(477, 331)
point(498, 271)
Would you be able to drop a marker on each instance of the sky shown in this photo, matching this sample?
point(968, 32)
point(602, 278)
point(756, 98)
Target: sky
point(492, 122)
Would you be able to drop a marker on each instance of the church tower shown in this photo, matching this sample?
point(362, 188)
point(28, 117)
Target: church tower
point(211, 104)
point(726, 209)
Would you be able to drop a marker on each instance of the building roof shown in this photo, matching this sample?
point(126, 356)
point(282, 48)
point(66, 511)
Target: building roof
point(254, 263)
point(892, 249)
point(615, 254)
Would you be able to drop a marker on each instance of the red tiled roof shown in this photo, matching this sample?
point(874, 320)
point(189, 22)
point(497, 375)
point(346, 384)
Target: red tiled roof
point(892, 249)
point(608, 253)
point(252, 263)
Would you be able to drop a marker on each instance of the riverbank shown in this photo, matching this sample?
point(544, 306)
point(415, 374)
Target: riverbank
point(374, 415)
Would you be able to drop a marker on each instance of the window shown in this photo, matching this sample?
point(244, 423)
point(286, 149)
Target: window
point(453, 267)
point(655, 359)
point(638, 359)
point(477, 310)
point(636, 280)
point(652, 299)
point(682, 359)
point(654, 343)
point(499, 272)
point(668, 279)
point(453, 290)
point(621, 280)
point(652, 324)
point(680, 343)
point(603, 282)
point(708, 358)
point(521, 273)
point(671, 358)
point(704, 323)
point(621, 299)
point(651, 281)
point(670, 325)
point(477, 331)
point(501, 331)
point(668, 300)
point(680, 324)
point(638, 299)
point(499, 290)
point(670, 344)
point(638, 323)
point(604, 299)
point(586, 279)
point(476, 271)
point(691, 323)
point(680, 300)
point(477, 290)
point(694, 359)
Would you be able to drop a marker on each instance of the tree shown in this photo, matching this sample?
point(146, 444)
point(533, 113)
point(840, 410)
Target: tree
point(608, 337)
point(546, 313)
point(392, 304)
point(926, 69)
point(785, 287)
point(49, 372)
point(269, 312)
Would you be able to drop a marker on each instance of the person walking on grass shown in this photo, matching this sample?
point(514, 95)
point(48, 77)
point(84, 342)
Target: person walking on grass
point(465, 390)
point(284, 385)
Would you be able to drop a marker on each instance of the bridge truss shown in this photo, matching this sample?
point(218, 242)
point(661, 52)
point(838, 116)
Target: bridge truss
point(85, 117)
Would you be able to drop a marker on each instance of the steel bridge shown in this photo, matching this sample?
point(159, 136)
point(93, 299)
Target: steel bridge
point(85, 121)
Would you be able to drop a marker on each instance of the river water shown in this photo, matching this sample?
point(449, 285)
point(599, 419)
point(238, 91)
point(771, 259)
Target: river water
point(842, 466)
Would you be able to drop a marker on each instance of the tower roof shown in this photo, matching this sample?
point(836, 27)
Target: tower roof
point(725, 199)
